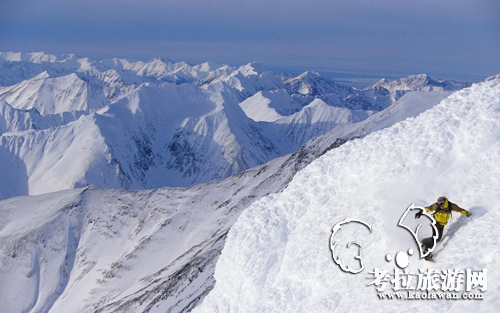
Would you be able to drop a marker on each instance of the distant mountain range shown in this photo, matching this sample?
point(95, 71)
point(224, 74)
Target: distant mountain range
point(69, 121)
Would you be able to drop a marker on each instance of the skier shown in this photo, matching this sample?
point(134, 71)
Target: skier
point(442, 212)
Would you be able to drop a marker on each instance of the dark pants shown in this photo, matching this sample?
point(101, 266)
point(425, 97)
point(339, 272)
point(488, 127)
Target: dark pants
point(427, 243)
point(440, 229)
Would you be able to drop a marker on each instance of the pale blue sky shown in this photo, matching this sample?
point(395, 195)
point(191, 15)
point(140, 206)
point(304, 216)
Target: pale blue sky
point(456, 39)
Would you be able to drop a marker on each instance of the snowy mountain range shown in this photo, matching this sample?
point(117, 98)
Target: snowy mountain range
point(280, 161)
point(167, 241)
point(69, 121)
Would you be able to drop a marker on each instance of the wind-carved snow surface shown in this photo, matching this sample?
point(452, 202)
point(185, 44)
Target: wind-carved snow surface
point(277, 257)
point(70, 121)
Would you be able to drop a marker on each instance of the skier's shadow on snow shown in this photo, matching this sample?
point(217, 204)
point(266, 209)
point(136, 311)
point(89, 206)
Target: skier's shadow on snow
point(476, 212)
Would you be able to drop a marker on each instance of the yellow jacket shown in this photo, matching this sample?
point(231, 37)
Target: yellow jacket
point(443, 214)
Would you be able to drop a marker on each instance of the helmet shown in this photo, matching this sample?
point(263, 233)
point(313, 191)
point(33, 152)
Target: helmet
point(441, 200)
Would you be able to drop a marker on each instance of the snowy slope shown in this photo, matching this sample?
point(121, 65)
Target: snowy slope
point(57, 158)
point(139, 251)
point(277, 257)
point(268, 106)
point(347, 124)
point(409, 105)
point(92, 250)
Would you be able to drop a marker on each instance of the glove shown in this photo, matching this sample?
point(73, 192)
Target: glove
point(418, 214)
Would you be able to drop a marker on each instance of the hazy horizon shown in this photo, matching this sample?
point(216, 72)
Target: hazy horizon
point(358, 40)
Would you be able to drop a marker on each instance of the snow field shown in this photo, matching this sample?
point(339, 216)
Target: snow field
point(82, 249)
point(277, 257)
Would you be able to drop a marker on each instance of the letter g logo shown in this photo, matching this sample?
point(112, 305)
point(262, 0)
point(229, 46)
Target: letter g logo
point(333, 245)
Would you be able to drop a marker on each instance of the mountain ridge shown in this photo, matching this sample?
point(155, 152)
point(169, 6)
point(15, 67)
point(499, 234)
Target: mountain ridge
point(163, 123)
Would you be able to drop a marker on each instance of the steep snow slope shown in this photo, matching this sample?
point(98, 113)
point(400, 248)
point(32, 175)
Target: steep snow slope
point(142, 251)
point(409, 105)
point(92, 250)
point(347, 124)
point(269, 106)
point(277, 256)
point(16, 120)
point(59, 158)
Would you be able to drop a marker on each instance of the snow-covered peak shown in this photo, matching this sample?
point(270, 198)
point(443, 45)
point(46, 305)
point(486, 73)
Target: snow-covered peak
point(43, 75)
point(269, 106)
point(53, 95)
point(306, 76)
point(303, 83)
point(34, 57)
point(247, 79)
point(208, 67)
point(156, 70)
point(10, 56)
point(254, 68)
point(313, 84)
point(419, 82)
point(379, 83)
